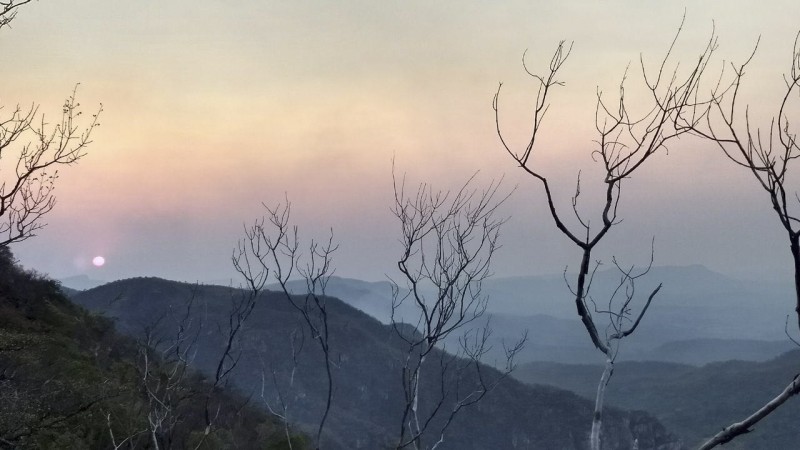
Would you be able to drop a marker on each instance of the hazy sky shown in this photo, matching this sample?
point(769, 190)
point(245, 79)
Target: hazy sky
point(212, 107)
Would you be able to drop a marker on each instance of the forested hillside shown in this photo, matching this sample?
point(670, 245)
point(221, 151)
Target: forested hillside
point(68, 380)
point(694, 401)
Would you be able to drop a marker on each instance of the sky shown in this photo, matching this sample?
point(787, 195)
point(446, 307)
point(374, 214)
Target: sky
point(213, 108)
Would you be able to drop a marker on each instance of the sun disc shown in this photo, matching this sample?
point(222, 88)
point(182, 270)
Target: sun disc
point(98, 261)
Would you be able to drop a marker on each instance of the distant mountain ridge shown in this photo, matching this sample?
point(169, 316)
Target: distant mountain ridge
point(80, 282)
point(367, 388)
point(726, 318)
point(698, 401)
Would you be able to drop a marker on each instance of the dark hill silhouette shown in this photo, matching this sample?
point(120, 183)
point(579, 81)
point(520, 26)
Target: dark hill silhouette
point(66, 376)
point(367, 392)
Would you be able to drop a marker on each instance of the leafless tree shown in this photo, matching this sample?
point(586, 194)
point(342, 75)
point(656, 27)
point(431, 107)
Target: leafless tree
point(174, 392)
point(271, 250)
point(126, 441)
point(448, 240)
point(243, 303)
point(165, 354)
point(33, 150)
point(767, 153)
point(279, 407)
point(625, 141)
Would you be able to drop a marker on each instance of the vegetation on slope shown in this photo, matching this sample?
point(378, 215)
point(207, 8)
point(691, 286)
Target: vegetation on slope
point(695, 402)
point(367, 401)
point(68, 380)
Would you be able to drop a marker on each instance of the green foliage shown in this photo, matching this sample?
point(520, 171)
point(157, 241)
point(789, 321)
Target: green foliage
point(69, 381)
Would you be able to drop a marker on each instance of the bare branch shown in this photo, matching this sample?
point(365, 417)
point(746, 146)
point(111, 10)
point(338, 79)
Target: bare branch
point(766, 152)
point(447, 243)
point(8, 10)
point(625, 141)
point(271, 248)
point(745, 426)
point(27, 184)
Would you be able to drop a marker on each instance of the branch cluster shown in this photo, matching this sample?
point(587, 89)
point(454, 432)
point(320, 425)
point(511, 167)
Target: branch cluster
point(447, 243)
point(680, 104)
point(270, 249)
point(8, 10)
point(26, 192)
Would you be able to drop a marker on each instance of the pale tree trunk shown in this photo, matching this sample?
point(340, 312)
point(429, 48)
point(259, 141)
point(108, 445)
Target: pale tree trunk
point(415, 406)
point(597, 418)
point(155, 439)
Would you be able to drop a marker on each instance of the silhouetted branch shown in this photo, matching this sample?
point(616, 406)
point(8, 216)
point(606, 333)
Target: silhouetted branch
point(8, 10)
point(271, 248)
point(29, 176)
point(448, 240)
point(624, 143)
point(767, 154)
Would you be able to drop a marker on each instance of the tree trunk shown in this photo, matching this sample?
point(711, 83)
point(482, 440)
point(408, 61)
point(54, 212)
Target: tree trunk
point(415, 406)
point(597, 418)
point(795, 246)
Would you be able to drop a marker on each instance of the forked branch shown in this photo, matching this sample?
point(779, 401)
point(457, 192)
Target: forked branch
point(271, 250)
point(767, 152)
point(448, 240)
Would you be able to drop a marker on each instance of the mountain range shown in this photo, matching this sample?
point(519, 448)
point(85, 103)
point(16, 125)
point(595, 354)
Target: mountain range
point(698, 317)
point(697, 401)
point(705, 338)
point(367, 356)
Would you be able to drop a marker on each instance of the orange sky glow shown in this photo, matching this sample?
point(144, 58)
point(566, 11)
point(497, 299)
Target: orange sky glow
point(213, 107)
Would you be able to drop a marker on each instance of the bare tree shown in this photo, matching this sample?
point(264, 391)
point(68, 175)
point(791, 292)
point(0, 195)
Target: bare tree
point(243, 303)
point(166, 354)
point(625, 141)
point(271, 250)
point(767, 153)
point(448, 240)
point(281, 405)
point(163, 365)
point(126, 441)
point(34, 149)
